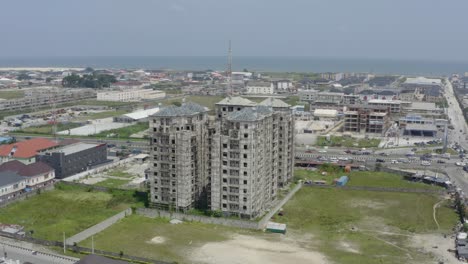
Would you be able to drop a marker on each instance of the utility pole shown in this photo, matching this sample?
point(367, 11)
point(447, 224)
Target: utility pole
point(229, 68)
point(64, 244)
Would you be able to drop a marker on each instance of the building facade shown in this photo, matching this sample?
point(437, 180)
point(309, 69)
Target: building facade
point(74, 158)
point(131, 95)
point(233, 162)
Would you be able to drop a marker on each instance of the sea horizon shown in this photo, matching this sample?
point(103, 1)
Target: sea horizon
point(251, 63)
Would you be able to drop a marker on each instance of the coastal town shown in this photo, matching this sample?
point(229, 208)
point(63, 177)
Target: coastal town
point(88, 152)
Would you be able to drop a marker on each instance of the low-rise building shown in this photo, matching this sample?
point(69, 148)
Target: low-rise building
point(394, 106)
point(260, 88)
point(366, 120)
point(133, 95)
point(138, 116)
point(25, 151)
point(74, 158)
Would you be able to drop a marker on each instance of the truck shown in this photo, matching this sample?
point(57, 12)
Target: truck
point(446, 156)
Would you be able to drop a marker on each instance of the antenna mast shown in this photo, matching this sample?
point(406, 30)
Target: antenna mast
point(229, 68)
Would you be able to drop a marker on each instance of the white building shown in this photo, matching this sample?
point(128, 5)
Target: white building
point(257, 89)
point(130, 95)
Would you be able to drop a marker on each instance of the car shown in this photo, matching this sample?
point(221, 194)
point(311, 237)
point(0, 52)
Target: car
point(383, 154)
point(380, 160)
point(343, 158)
point(441, 161)
point(322, 151)
point(425, 163)
point(308, 151)
point(394, 161)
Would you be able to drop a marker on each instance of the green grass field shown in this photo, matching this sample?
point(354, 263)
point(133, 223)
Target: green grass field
point(11, 94)
point(66, 209)
point(47, 129)
point(330, 215)
point(119, 172)
point(112, 183)
point(336, 141)
point(179, 239)
point(124, 132)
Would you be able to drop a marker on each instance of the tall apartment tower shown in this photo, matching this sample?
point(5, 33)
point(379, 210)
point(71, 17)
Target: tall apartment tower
point(243, 155)
point(178, 176)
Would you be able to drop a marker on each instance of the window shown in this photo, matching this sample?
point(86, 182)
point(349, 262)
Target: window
point(245, 199)
point(246, 126)
point(224, 180)
point(224, 154)
point(245, 181)
point(245, 190)
point(224, 171)
point(245, 146)
point(245, 156)
point(246, 135)
point(244, 207)
point(245, 164)
point(224, 205)
point(224, 197)
point(224, 145)
point(156, 197)
point(245, 173)
point(224, 109)
point(173, 141)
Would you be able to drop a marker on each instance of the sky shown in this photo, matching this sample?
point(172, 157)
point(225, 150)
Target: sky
point(396, 29)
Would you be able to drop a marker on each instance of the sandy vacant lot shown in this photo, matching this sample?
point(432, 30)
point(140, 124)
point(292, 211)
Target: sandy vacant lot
point(243, 249)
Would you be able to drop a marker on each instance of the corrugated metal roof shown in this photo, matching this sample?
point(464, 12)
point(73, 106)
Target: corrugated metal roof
point(142, 114)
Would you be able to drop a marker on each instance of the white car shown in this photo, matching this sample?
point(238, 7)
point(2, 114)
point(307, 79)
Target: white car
point(343, 158)
point(394, 161)
point(425, 163)
point(322, 151)
point(461, 164)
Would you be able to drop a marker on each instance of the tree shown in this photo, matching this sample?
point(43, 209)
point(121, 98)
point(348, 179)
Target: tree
point(89, 69)
point(176, 103)
point(23, 76)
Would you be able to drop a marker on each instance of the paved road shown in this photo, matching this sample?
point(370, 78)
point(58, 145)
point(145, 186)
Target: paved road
point(26, 255)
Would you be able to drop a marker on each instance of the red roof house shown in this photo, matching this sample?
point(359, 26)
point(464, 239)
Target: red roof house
point(25, 151)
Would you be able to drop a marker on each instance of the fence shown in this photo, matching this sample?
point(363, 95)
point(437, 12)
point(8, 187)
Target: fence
point(262, 223)
point(98, 227)
point(78, 249)
point(377, 189)
point(153, 213)
point(246, 224)
point(25, 195)
point(97, 170)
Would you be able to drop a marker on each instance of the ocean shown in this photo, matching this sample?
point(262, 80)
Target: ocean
point(258, 64)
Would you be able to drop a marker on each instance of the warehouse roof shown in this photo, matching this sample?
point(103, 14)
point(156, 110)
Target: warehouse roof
point(73, 148)
point(142, 114)
point(183, 110)
point(236, 100)
point(423, 81)
point(325, 112)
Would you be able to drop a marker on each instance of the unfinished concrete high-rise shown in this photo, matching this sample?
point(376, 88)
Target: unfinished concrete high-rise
point(177, 174)
point(244, 154)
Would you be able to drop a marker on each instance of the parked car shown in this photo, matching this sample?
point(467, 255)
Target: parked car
point(440, 161)
point(380, 160)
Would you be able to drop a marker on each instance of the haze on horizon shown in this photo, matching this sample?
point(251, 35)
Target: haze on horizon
point(397, 29)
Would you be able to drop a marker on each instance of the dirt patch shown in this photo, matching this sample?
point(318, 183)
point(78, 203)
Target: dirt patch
point(248, 249)
point(369, 204)
point(348, 247)
point(436, 245)
point(157, 240)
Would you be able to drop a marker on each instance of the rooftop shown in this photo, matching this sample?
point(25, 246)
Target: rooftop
point(422, 106)
point(421, 127)
point(273, 102)
point(9, 177)
point(27, 148)
point(423, 81)
point(142, 114)
point(250, 113)
point(236, 100)
point(183, 110)
point(73, 148)
point(96, 259)
point(22, 169)
point(381, 101)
